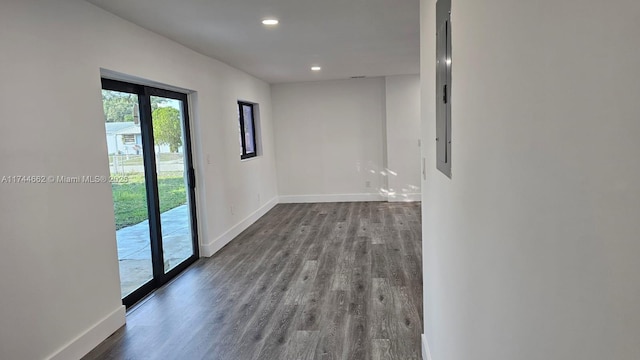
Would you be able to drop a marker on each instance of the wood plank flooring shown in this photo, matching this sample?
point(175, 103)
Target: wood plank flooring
point(306, 281)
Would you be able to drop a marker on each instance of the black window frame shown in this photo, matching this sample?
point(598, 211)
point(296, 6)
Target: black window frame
point(245, 155)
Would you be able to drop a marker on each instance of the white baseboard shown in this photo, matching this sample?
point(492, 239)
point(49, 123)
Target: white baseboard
point(92, 337)
point(426, 353)
point(291, 199)
point(207, 250)
point(410, 197)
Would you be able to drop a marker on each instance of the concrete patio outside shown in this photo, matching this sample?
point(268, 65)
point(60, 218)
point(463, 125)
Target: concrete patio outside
point(134, 248)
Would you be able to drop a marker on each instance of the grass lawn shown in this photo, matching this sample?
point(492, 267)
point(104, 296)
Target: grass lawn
point(130, 199)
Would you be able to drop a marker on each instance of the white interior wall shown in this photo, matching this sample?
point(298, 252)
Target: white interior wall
point(402, 137)
point(531, 249)
point(334, 137)
point(329, 140)
point(58, 263)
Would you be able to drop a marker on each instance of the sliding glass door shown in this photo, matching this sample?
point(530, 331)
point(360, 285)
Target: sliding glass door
point(153, 191)
point(173, 190)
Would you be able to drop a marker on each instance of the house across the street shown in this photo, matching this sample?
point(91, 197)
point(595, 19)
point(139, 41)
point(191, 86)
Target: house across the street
point(123, 138)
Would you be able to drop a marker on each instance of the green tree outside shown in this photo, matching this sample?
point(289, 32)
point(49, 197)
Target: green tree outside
point(119, 106)
point(166, 127)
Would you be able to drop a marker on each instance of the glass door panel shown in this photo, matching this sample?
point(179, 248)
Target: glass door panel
point(172, 177)
point(124, 144)
point(148, 144)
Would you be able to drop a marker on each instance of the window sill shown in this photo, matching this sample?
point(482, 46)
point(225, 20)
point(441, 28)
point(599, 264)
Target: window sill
point(251, 158)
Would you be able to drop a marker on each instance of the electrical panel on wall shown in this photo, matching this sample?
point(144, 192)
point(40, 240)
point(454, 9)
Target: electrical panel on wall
point(443, 86)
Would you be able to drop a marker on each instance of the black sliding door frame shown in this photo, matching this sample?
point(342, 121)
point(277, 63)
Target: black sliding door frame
point(151, 181)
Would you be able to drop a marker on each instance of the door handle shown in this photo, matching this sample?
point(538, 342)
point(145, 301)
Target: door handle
point(192, 178)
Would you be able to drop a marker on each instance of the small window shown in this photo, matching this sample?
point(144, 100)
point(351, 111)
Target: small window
point(247, 130)
point(128, 139)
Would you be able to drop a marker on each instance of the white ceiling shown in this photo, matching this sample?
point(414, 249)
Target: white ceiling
point(346, 37)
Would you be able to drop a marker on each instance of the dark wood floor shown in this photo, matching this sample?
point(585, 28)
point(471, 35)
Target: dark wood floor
point(306, 281)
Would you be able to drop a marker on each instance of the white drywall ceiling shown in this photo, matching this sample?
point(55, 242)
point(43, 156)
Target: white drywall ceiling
point(345, 38)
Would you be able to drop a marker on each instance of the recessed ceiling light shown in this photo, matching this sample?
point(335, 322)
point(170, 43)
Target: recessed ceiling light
point(316, 68)
point(270, 22)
